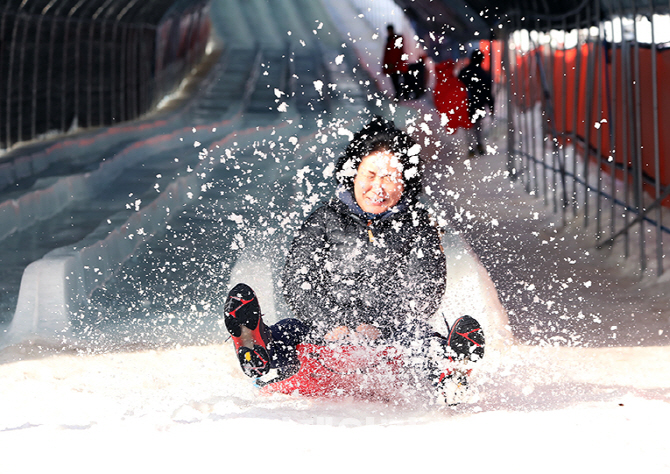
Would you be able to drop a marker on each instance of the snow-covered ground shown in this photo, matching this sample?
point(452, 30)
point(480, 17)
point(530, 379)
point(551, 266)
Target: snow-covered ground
point(584, 386)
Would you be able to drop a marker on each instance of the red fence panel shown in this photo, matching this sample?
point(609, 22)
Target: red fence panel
point(570, 87)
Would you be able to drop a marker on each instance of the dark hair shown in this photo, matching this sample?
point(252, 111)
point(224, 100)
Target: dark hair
point(477, 57)
point(381, 134)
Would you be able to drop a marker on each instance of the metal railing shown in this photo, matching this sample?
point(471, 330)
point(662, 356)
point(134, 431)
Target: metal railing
point(60, 71)
point(584, 120)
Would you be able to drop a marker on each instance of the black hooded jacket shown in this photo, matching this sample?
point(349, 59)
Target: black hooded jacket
point(346, 267)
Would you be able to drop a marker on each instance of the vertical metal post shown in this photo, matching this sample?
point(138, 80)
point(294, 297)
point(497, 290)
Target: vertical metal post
point(141, 67)
point(36, 67)
point(135, 71)
point(544, 134)
point(147, 79)
point(491, 69)
point(507, 67)
point(101, 75)
point(614, 64)
point(158, 62)
point(89, 75)
point(100, 20)
point(130, 73)
point(122, 73)
point(526, 138)
point(64, 68)
point(657, 158)
point(599, 116)
point(141, 63)
point(189, 38)
point(514, 99)
point(527, 115)
point(113, 100)
point(3, 21)
point(564, 132)
point(532, 138)
point(21, 87)
point(10, 74)
point(575, 108)
point(531, 91)
point(627, 146)
point(588, 109)
point(134, 44)
point(639, 197)
point(517, 103)
point(52, 40)
point(129, 76)
point(553, 135)
point(77, 71)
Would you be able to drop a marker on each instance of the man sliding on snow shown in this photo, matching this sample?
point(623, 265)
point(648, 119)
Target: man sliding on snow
point(366, 268)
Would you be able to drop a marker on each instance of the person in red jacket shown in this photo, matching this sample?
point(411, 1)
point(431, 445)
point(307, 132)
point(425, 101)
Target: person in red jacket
point(451, 98)
point(395, 59)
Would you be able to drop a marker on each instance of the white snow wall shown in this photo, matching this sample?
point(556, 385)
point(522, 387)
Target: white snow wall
point(54, 287)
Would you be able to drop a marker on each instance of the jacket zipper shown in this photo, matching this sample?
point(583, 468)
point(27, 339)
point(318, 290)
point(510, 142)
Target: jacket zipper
point(371, 237)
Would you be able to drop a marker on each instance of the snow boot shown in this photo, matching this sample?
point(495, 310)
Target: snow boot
point(454, 389)
point(242, 315)
point(466, 340)
point(450, 369)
